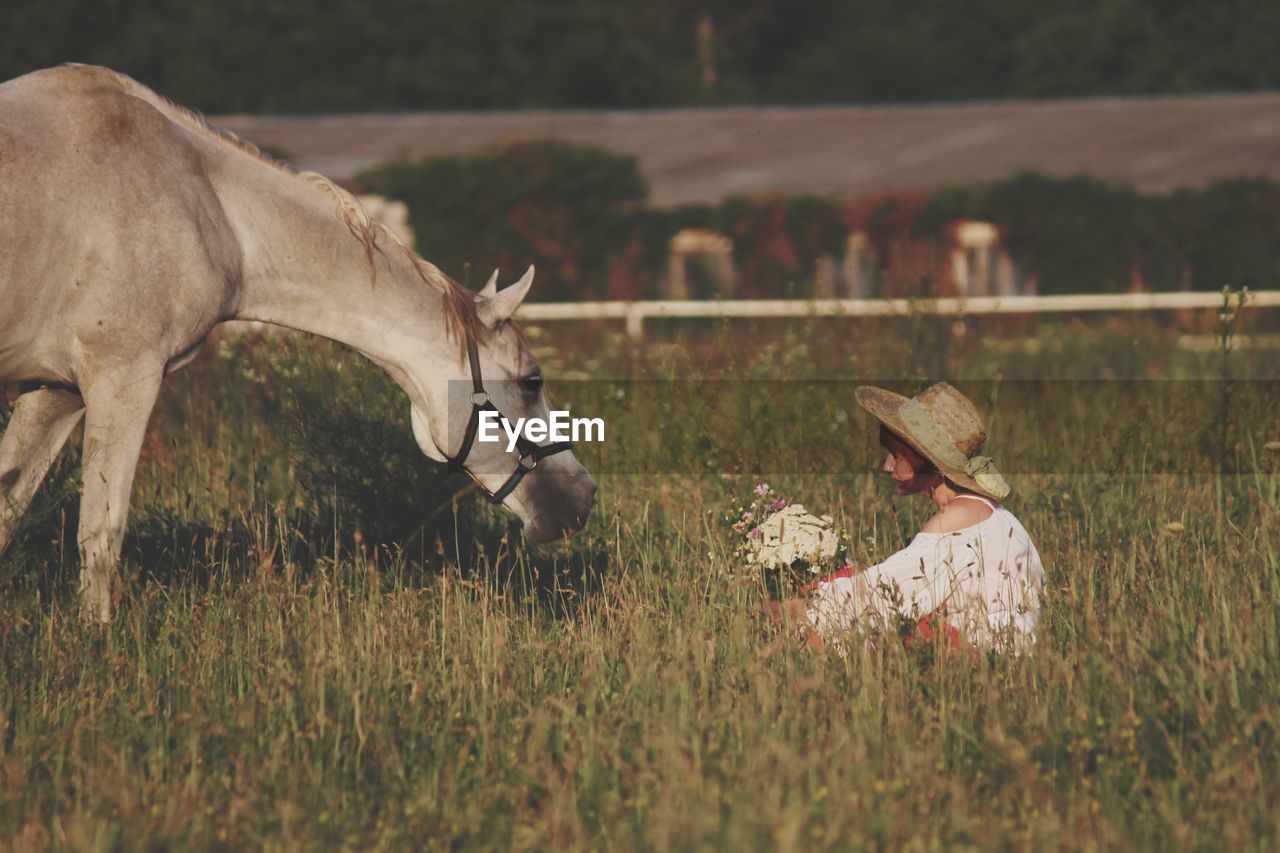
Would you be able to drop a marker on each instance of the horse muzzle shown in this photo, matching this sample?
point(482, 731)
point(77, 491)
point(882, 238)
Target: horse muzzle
point(561, 505)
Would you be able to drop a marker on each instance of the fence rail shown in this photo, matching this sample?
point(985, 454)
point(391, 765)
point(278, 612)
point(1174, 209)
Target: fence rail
point(635, 313)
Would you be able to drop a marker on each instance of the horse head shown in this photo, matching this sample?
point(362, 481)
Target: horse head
point(494, 392)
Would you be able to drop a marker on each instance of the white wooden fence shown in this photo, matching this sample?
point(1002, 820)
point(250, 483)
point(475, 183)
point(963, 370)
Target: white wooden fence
point(635, 313)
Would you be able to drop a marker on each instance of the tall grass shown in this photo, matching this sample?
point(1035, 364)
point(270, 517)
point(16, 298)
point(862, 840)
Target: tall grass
point(319, 644)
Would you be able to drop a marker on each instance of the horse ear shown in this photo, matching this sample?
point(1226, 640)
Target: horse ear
point(491, 287)
point(494, 309)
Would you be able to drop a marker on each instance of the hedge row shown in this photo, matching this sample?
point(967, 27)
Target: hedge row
point(579, 213)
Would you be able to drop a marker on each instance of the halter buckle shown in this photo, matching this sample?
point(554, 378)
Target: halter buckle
point(528, 461)
point(480, 398)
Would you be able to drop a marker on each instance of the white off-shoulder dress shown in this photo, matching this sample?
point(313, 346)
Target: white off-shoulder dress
point(984, 580)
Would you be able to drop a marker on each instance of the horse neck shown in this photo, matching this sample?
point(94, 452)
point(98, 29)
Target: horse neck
point(305, 269)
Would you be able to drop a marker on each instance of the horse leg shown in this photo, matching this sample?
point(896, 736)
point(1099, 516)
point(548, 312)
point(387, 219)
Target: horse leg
point(118, 407)
point(42, 420)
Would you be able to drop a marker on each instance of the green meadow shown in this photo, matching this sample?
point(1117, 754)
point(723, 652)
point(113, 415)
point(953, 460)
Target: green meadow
point(322, 640)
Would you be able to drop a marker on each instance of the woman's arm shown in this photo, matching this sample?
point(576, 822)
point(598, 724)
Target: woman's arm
point(914, 583)
point(790, 615)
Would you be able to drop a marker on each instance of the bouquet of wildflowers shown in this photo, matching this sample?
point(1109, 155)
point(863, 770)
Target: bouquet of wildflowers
point(783, 537)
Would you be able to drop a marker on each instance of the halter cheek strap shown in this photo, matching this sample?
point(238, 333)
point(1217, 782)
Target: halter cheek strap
point(530, 454)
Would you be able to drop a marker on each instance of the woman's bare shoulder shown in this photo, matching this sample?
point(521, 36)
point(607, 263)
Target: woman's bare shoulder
point(957, 515)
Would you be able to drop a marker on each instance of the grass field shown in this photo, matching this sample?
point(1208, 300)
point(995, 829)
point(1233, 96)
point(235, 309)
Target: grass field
point(319, 645)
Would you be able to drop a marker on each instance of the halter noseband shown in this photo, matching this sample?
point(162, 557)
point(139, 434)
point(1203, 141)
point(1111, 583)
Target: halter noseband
point(530, 454)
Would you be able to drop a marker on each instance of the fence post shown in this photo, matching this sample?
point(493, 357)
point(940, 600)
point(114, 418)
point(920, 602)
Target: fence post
point(635, 321)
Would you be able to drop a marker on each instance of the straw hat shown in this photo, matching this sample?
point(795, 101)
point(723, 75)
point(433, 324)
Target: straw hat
point(944, 426)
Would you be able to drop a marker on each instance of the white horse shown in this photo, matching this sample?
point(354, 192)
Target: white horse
point(129, 229)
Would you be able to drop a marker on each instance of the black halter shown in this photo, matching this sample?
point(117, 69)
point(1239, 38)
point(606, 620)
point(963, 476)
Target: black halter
point(530, 454)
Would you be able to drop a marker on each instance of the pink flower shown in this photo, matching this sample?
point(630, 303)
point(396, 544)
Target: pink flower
point(762, 488)
point(755, 533)
point(777, 505)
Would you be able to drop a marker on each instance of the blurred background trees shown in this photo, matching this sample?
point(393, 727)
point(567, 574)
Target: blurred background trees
point(581, 213)
point(296, 56)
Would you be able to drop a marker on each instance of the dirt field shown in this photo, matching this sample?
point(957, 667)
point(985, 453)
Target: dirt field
point(1155, 144)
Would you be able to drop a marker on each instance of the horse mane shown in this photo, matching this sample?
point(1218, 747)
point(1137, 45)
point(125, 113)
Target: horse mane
point(461, 318)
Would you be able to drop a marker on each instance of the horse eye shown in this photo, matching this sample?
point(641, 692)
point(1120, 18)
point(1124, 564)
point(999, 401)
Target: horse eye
point(532, 384)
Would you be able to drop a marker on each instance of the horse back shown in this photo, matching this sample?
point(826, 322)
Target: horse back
point(110, 224)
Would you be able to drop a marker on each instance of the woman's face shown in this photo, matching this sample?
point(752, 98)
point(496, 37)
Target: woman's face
point(900, 469)
point(909, 470)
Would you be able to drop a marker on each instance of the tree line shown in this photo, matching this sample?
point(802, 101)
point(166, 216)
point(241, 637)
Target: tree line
point(581, 214)
point(296, 56)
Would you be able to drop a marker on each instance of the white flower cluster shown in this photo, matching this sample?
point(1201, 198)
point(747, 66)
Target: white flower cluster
point(792, 534)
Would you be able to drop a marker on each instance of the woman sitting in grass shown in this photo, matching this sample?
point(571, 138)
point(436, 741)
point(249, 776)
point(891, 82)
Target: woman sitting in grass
point(972, 570)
